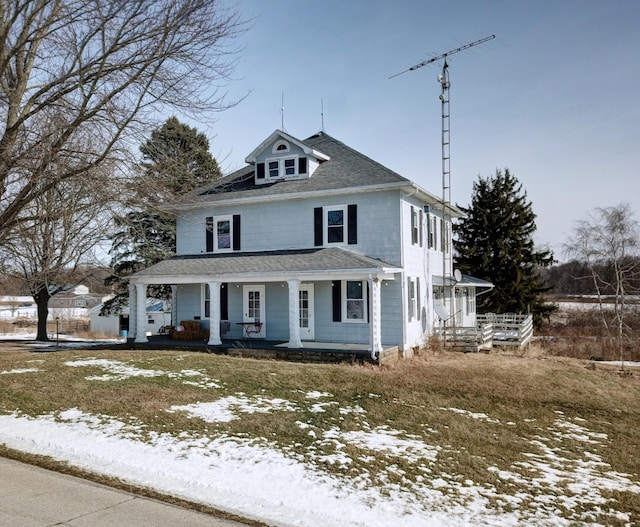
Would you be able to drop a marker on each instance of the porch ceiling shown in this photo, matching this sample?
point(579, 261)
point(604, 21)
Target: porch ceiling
point(306, 264)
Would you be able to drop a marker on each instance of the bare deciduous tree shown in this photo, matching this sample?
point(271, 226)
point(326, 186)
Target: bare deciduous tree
point(608, 242)
point(79, 78)
point(56, 235)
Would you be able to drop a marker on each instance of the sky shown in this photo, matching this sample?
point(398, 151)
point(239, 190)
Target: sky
point(284, 489)
point(553, 97)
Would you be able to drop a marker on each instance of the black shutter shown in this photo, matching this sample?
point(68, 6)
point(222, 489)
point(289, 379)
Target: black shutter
point(418, 303)
point(302, 165)
point(236, 232)
point(260, 171)
point(209, 234)
point(352, 223)
point(317, 226)
point(420, 219)
point(224, 301)
point(336, 292)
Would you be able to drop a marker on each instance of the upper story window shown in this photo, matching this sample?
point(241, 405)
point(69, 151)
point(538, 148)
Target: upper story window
point(283, 167)
point(416, 226)
point(432, 228)
point(281, 147)
point(336, 225)
point(336, 222)
point(223, 233)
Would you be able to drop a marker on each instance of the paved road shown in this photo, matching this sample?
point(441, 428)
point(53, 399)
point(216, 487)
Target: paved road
point(35, 497)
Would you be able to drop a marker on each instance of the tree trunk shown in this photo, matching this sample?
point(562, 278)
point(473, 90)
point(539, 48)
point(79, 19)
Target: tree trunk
point(42, 302)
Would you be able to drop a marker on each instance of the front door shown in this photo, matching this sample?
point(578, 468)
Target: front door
point(306, 312)
point(254, 311)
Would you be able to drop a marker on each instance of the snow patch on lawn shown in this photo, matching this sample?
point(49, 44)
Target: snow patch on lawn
point(118, 371)
point(20, 370)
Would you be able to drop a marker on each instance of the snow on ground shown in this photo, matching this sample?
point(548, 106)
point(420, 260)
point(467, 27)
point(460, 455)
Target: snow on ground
point(253, 478)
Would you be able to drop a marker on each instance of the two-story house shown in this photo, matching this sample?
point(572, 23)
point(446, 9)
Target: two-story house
point(312, 242)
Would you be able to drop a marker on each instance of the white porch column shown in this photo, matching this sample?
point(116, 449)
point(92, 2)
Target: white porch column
point(214, 313)
point(141, 313)
point(294, 314)
point(132, 311)
point(375, 338)
point(174, 305)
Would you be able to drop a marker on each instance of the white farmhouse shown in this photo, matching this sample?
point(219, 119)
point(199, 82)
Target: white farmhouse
point(312, 242)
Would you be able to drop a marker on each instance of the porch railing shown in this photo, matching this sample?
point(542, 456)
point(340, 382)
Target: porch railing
point(509, 329)
point(474, 338)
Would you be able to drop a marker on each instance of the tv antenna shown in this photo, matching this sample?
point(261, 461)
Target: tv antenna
point(446, 230)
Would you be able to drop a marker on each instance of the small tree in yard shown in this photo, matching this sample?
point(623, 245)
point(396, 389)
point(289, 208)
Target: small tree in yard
point(56, 235)
point(175, 160)
point(608, 242)
point(494, 241)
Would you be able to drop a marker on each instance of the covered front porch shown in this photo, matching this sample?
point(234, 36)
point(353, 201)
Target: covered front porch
point(330, 300)
point(320, 352)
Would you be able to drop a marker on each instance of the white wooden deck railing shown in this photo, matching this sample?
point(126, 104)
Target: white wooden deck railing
point(491, 329)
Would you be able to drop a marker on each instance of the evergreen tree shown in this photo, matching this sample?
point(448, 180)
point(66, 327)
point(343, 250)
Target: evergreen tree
point(175, 160)
point(494, 241)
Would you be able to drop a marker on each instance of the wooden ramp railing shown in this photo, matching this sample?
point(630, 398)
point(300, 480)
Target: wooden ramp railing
point(491, 330)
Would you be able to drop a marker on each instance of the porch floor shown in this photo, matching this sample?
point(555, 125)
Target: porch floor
point(311, 351)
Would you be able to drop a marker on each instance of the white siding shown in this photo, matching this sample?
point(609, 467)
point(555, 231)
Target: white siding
point(290, 225)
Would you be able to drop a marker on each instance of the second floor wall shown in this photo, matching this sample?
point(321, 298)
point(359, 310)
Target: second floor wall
point(368, 223)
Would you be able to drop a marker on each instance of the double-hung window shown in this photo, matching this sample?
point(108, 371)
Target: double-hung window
point(223, 233)
point(336, 223)
point(416, 226)
point(413, 298)
point(283, 167)
point(354, 306)
point(274, 169)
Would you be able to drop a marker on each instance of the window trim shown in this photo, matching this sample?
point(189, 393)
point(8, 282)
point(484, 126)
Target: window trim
point(364, 300)
point(212, 230)
point(282, 169)
point(345, 223)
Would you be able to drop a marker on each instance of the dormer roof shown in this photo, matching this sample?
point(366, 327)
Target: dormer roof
point(345, 170)
point(279, 134)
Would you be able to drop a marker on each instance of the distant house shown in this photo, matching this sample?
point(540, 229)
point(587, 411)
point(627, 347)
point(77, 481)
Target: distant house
point(74, 297)
point(312, 242)
point(158, 314)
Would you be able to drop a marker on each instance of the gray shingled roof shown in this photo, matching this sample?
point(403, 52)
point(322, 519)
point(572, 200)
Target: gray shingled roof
point(287, 262)
point(346, 168)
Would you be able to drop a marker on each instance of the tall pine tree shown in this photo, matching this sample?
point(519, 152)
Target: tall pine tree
point(175, 160)
point(494, 241)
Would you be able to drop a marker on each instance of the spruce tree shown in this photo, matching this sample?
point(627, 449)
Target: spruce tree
point(175, 160)
point(494, 241)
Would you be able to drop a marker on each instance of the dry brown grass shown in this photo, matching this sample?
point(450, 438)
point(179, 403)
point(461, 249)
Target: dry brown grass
point(523, 397)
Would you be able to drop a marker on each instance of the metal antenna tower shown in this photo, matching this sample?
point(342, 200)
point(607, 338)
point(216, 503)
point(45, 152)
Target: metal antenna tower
point(446, 227)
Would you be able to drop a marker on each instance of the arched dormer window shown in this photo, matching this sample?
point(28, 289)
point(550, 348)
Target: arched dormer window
point(280, 147)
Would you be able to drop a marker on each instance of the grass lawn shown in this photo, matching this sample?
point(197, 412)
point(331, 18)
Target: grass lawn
point(543, 434)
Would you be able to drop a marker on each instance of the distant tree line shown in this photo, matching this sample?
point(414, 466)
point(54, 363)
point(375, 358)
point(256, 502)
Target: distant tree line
point(574, 278)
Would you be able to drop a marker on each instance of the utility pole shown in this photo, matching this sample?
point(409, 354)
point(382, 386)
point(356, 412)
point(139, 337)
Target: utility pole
point(446, 230)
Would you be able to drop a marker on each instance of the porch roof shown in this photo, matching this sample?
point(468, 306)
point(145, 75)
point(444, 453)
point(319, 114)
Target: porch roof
point(465, 281)
point(309, 264)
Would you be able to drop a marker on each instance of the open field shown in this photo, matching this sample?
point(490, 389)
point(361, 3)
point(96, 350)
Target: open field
point(445, 439)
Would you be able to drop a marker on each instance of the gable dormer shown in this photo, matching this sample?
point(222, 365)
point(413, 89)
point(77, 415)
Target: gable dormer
point(283, 157)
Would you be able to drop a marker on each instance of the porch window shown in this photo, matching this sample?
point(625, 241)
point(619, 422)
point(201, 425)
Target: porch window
point(224, 301)
point(354, 306)
point(470, 294)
